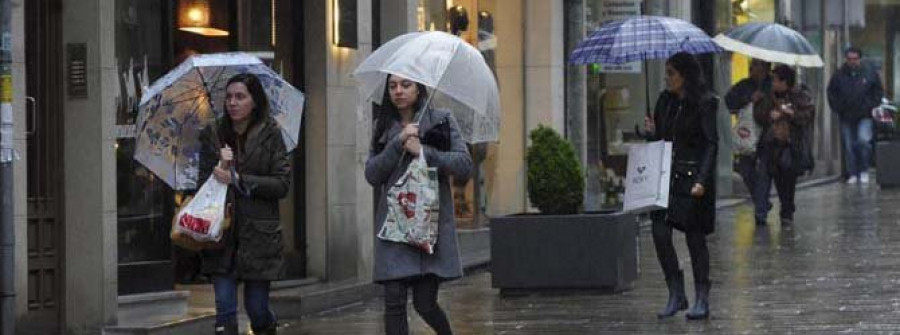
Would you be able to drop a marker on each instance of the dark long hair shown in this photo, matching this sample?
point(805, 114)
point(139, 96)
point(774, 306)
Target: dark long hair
point(386, 114)
point(689, 69)
point(259, 113)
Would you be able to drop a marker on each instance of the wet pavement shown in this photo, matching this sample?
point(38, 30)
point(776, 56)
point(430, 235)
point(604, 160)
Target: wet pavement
point(836, 270)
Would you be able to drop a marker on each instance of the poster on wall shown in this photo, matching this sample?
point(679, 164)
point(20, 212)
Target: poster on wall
point(611, 10)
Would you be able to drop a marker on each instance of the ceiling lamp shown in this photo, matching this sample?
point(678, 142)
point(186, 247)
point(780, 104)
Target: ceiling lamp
point(194, 17)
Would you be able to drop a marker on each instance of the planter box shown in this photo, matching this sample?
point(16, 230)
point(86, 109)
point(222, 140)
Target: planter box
point(562, 252)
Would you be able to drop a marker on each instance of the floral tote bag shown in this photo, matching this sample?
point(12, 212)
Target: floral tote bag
point(413, 207)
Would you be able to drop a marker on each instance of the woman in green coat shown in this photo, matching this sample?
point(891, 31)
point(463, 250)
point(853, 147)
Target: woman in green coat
point(255, 166)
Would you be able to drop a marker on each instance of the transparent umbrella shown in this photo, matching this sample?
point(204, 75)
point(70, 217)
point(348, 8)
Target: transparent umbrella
point(456, 72)
point(185, 100)
point(771, 42)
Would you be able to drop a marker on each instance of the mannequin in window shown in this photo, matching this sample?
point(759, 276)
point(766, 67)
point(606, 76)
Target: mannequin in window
point(485, 22)
point(458, 19)
point(487, 42)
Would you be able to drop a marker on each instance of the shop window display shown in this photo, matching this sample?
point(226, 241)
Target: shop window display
point(472, 21)
point(150, 41)
point(145, 203)
point(617, 100)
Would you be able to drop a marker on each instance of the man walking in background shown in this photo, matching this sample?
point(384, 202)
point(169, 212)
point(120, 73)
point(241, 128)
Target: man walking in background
point(853, 91)
point(738, 99)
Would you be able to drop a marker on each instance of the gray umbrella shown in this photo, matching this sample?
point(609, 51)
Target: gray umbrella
point(770, 42)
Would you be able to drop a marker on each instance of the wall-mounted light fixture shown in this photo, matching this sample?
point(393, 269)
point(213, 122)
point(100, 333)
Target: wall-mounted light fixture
point(344, 23)
point(194, 17)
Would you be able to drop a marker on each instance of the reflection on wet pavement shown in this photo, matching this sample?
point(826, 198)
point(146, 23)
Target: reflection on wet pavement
point(836, 270)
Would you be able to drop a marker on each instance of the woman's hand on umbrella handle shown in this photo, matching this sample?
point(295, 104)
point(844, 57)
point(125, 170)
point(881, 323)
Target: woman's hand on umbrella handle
point(222, 175)
point(649, 124)
point(413, 146)
point(410, 130)
point(226, 155)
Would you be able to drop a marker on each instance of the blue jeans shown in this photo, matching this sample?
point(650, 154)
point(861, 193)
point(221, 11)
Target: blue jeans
point(746, 166)
point(256, 302)
point(857, 139)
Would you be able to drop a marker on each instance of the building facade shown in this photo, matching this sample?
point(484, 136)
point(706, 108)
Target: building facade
point(92, 224)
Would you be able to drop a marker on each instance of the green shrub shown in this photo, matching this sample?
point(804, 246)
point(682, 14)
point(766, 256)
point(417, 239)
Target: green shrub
point(555, 180)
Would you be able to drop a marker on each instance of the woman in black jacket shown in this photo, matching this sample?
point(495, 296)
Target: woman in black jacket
point(685, 114)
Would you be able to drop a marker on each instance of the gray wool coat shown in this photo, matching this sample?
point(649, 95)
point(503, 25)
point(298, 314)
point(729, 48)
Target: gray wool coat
point(397, 260)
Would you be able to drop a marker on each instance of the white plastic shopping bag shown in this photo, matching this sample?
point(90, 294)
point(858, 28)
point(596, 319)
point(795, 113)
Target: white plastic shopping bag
point(203, 218)
point(647, 177)
point(413, 207)
point(745, 133)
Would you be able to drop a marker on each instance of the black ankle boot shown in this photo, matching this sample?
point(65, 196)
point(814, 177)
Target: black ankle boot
point(700, 310)
point(677, 299)
point(271, 330)
point(268, 331)
point(229, 328)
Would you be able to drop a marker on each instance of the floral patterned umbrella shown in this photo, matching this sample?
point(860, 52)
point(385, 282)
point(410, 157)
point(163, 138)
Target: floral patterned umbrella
point(179, 105)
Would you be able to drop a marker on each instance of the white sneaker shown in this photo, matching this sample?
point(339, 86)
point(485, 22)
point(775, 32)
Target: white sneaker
point(864, 177)
point(852, 180)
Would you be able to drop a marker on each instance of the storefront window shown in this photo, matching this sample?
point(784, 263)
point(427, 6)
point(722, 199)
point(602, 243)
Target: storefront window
point(617, 100)
point(145, 203)
point(152, 37)
point(473, 21)
point(432, 15)
point(745, 11)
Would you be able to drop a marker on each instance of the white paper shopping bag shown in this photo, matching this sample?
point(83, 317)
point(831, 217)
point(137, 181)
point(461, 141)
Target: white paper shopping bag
point(647, 177)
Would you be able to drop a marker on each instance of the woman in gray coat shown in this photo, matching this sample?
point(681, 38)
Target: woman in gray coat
point(255, 166)
point(396, 140)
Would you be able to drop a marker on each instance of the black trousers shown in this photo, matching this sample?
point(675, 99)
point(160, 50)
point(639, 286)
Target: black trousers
point(668, 258)
point(425, 290)
point(776, 166)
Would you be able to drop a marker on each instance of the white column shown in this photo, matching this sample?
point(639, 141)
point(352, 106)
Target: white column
point(339, 201)
point(505, 163)
point(544, 64)
point(91, 276)
point(20, 171)
point(397, 18)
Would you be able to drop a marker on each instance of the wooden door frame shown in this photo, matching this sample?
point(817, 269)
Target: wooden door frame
point(46, 83)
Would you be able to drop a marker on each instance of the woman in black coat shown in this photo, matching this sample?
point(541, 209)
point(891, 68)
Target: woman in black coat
point(685, 114)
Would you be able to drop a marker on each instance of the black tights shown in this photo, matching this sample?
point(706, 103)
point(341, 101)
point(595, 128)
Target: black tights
point(425, 289)
point(668, 259)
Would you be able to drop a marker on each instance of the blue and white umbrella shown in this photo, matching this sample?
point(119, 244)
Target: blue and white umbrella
point(641, 38)
point(771, 42)
point(174, 110)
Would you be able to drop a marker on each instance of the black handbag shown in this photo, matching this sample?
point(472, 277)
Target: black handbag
point(438, 136)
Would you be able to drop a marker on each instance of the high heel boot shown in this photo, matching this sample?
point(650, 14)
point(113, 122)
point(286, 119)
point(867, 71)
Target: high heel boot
point(677, 299)
point(700, 310)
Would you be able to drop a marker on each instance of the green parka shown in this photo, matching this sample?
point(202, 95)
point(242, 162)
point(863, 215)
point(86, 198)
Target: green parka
point(252, 247)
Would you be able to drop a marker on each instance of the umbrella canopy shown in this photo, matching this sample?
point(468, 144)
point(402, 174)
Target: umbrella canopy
point(454, 70)
point(179, 105)
point(641, 38)
point(771, 42)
